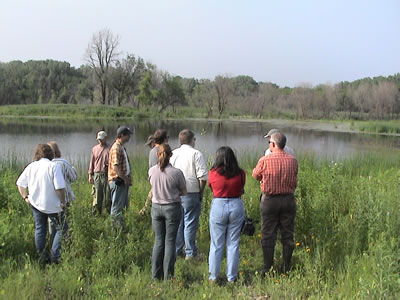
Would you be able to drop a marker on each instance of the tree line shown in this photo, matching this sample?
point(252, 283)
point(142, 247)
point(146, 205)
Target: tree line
point(110, 77)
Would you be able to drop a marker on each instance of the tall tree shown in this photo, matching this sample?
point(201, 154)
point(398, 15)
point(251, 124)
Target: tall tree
point(101, 53)
point(126, 76)
point(171, 93)
point(223, 86)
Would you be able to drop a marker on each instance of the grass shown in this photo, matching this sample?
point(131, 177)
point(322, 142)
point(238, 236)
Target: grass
point(347, 230)
point(390, 127)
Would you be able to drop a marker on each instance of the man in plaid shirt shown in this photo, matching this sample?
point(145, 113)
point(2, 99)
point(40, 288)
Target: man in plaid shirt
point(277, 174)
point(119, 178)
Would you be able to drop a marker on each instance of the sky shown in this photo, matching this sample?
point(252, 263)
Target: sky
point(287, 42)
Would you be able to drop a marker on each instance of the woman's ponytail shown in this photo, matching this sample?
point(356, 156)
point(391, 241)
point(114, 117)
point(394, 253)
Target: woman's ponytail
point(164, 152)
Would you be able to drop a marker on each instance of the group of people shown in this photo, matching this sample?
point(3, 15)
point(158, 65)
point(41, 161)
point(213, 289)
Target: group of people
point(178, 179)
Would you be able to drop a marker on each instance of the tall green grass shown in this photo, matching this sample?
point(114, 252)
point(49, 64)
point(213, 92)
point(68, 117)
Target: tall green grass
point(391, 127)
point(347, 231)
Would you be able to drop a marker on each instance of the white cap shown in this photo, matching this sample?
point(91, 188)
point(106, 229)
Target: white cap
point(272, 131)
point(101, 135)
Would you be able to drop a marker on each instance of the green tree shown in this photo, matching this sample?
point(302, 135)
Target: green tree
point(147, 93)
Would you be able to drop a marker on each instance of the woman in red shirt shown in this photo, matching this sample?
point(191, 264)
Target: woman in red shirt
point(226, 180)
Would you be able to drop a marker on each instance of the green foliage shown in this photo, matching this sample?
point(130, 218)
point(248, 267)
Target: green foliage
point(347, 229)
point(147, 93)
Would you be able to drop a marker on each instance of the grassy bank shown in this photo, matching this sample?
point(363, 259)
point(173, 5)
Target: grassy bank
point(347, 230)
point(388, 127)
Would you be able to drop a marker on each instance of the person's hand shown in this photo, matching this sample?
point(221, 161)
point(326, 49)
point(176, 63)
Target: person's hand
point(91, 181)
point(127, 180)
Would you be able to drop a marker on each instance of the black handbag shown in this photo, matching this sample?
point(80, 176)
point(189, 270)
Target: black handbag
point(248, 227)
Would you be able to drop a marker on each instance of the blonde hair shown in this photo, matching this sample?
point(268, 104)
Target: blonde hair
point(53, 145)
point(164, 153)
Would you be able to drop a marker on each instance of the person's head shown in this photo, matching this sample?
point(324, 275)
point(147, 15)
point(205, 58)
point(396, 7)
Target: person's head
point(43, 151)
point(102, 137)
point(186, 137)
point(269, 133)
point(226, 163)
point(150, 142)
point(278, 140)
point(164, 153)
point(124, 134)
point(160, 136)
point(53, 145)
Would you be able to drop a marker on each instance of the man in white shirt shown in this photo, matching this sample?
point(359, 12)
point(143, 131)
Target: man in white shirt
point(287, 149)
point(42, 186)
point(192, 164)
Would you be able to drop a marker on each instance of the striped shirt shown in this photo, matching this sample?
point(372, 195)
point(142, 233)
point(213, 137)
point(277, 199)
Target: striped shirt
point(117, 157)
point(69, 174)
point(277, 173)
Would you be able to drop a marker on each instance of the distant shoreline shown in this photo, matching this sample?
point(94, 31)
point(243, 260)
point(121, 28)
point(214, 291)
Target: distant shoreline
point(98, 112)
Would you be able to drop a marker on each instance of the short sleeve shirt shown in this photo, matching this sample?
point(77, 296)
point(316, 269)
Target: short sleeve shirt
point(223, 187)
point(192, 164)
point(43, 178)
point(167, 185)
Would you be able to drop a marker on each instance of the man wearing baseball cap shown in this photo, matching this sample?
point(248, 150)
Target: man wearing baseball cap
point(287, 149)
point(119, 175)
point(98, 167)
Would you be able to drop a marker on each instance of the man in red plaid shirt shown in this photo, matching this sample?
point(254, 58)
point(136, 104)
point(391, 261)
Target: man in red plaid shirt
point(277, 174)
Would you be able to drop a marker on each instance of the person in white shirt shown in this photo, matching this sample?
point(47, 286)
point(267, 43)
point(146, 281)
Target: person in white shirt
point(42, 186)
point(192, 164)
point(287, 149)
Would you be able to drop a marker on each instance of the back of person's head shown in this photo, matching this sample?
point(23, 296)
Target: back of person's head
point(123, 131)
point(53, 145)
point(186, 136)
point(164, 153)
point(279, 139)
point(226, 163)
point(43, 151)
point(150, 142)
point(160, 136)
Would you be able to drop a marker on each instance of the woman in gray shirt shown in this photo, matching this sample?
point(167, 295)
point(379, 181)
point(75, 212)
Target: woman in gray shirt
point(167, 185)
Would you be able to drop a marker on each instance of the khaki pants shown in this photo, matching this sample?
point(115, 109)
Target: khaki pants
point(101, 193)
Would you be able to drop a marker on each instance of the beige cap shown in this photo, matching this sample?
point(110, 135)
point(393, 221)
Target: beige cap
point(101, 135)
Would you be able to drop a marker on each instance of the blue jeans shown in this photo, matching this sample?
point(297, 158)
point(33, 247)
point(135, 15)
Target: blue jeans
point(119, 197)
point(226, 219)
point(60, 228)
point(166, 219)
point(191, 207)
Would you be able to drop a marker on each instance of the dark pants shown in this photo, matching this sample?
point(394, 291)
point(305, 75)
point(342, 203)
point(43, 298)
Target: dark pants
point(165, 219)
point(277, 211)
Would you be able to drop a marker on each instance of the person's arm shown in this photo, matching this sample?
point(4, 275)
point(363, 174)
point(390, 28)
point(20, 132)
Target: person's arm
point(61, 196)
point(257, 171)
point(202, 184)
point(183, 192)
point(91, 168)
point(24, 193)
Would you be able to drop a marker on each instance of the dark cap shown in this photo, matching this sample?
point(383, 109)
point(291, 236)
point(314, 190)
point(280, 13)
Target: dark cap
point(150, 140)
point(124, 130)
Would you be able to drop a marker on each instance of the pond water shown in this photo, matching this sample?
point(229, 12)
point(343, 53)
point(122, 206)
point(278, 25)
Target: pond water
point(19, 137)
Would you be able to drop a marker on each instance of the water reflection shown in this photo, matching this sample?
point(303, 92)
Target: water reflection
point(18, 137)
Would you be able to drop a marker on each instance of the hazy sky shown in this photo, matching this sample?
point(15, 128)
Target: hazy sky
point(285, 42)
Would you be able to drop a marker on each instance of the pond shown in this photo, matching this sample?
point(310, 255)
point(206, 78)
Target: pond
point(19, 137)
